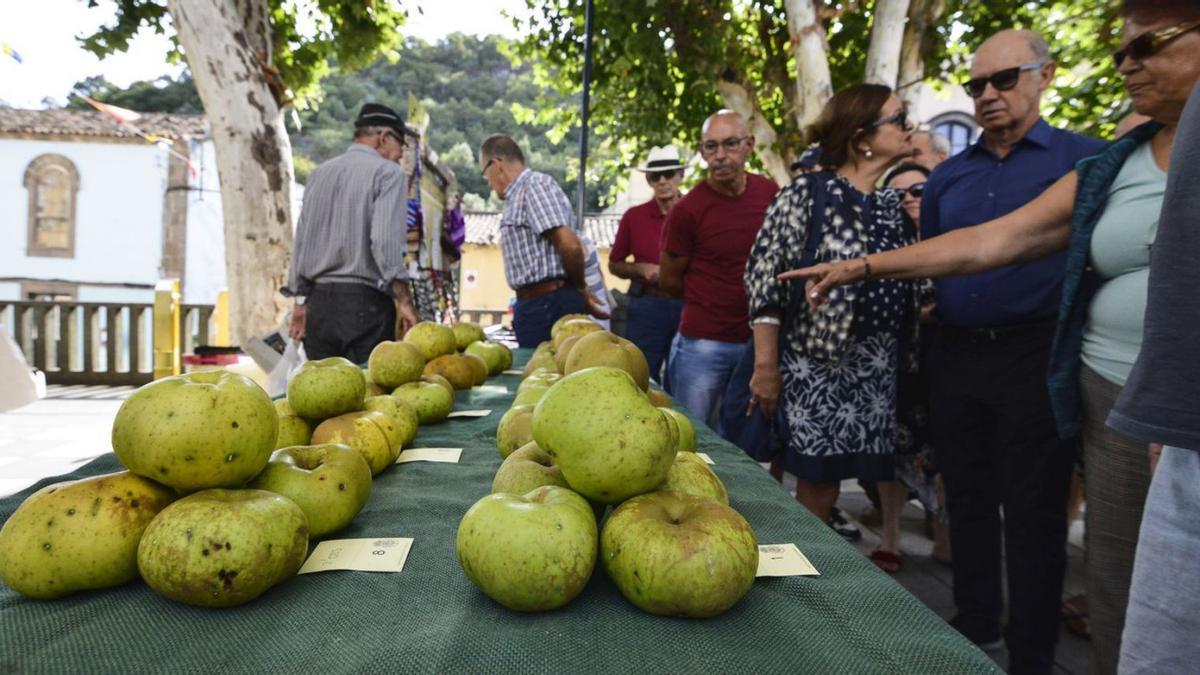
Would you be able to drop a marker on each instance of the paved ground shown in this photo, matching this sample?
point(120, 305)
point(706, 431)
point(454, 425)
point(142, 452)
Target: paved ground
point(72, 425)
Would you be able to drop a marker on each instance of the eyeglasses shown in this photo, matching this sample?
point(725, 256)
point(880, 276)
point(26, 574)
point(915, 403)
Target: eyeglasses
point(1147, 44)
point(730, 145)
point(655, 176)
point(915, 190)
point(393, 136)
point(483, 171)
point(900, 119)
point(1002, 80)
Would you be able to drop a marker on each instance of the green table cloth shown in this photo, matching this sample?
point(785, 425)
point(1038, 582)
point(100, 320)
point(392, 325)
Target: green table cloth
point(430, 619)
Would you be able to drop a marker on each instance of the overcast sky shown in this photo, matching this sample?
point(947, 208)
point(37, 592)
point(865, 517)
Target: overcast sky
point(43, 33)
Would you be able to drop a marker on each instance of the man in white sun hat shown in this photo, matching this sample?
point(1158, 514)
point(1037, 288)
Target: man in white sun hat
point(653, 316)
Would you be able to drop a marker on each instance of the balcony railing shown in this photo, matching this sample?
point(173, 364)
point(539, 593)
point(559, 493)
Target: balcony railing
point(482, 317)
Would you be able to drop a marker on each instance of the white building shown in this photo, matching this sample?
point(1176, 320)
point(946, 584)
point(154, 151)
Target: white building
point(92, 212)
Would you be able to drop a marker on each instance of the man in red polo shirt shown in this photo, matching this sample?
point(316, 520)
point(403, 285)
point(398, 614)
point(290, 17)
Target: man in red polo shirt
point(653, 315)
point(706, 239)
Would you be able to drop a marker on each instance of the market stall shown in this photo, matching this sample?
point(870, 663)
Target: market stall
point(429, 618)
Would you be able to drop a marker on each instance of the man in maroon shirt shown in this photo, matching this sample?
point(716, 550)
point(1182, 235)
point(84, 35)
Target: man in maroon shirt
point(706, 239)
point(653, 315)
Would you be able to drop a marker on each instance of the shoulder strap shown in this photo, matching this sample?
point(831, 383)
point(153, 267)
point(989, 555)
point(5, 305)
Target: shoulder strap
point(816, 191)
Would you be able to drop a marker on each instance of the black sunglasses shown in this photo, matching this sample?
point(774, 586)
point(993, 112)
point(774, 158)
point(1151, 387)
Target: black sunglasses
point(900, 119)
point(1147, 44)
point(915, 190)
point(655, 176)
point(1002, 80)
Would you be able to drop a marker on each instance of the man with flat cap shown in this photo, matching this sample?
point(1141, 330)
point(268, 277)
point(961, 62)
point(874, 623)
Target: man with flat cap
point(347, 272)
point(653, 316)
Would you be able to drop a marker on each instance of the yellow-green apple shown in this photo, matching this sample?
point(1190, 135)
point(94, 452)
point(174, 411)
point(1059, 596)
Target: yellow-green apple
point(492, 354)
point(479, 368)
point(433, 339)
point(658, 398)
point(401, 412)
point(326, 388)
point(515, 429)
point(679, 555)
point(691, 475)
point(687, 431)
point(465, 333)
point(329, 482)
point(370, 432)
point(563, 351)
point(540, 378)
point(454, 368)
point(530, 395)
point(440, 381)
point(602, 348)
point(604, 434)
point(564, 319)
point(539, 361)
point(527, 468)
point(531, 553)
point(198, 430)
point(574, 327)
point(433, 402)
point(506, 356)
point(223, 548)
point(79, 535)
point(393, 363)
point(293, 429)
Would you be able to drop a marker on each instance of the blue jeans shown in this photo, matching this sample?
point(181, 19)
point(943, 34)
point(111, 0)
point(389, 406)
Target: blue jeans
point(698, 371)
point(1163, 620)
point(651, 325)
point(533, 318)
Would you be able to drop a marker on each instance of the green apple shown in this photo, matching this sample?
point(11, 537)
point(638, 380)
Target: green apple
point(465, 333)
point(401, 412)
point(576, 328)
point(602, 348)
point(79, 535)
point(329, 482)
point(457, 371)
point(374, 390)
point(539, 361)
point(198, 430)
point(223, 548)
point(691, 475)
point(370, 432)
point(515, 429)
point(525, 469)
point(433, 402)
point(392, 363)
point(604, 434)
point(293, 429)
point(326, 388)
point(433, 339)
point(530, 395)
point(479, 367)
point(440, 381)
point(679, 555)
point(563, 351)
point(563, 320)
point(532, 552)
point(540, 378)
point(492, 354)
point(687, 431)
point(506, 357)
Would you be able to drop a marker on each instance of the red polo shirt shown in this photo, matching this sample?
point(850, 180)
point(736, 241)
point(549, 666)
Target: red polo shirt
point(715, 232)
point(639, 233)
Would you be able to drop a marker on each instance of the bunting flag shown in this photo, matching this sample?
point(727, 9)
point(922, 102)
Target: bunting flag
point(128, 117)
point(9, 51)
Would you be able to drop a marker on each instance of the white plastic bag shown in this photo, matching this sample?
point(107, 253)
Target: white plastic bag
point(293, 357)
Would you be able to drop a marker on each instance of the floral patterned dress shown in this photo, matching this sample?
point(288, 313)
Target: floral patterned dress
point(839, 364)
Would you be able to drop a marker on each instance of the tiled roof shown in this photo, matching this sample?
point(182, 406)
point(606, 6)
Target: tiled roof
point(65, 122)
point(483, 228)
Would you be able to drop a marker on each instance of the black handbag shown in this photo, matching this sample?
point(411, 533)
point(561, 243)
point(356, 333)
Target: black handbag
point(758, 436)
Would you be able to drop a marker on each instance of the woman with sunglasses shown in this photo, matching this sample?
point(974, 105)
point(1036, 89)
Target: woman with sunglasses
point(1105, 215)
point(832, 371)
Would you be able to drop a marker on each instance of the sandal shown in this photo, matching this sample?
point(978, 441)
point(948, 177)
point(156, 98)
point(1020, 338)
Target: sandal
point(886, 560)
point(1074, 613)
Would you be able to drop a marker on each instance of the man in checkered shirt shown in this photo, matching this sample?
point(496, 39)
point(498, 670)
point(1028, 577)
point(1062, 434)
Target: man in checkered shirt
point(543, 256)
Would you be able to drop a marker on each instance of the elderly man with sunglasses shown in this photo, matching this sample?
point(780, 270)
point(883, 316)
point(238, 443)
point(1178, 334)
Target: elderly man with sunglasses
point(653, 316)
point(990, 408)
point(707, 237)
point(347, 272)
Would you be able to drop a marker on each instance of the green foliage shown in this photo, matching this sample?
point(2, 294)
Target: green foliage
point(162, 94)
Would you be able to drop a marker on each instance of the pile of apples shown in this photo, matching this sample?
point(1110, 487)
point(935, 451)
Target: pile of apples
point(585, 432)
point(223, 488)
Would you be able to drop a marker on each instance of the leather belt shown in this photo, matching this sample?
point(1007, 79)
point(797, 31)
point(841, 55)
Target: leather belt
point(998, 333)
point(539, 288)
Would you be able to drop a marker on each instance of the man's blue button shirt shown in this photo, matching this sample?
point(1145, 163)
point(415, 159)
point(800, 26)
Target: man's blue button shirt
point(976, 186)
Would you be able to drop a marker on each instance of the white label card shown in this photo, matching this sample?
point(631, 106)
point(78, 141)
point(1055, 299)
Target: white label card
point(783, 560)
point(470, 413)
point(513, 372)
point(360, 555)
point(491, 389)
point(704, 456)
point(448, 455)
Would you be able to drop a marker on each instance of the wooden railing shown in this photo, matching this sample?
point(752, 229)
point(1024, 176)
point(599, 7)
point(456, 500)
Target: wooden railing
point(483, 317)
point(103, 342)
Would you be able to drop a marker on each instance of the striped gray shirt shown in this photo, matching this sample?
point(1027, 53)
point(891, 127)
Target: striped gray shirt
point(533, 205)
point(352, 225)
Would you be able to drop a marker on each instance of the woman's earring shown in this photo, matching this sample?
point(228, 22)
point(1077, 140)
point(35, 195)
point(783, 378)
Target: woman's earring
point(868, 154)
